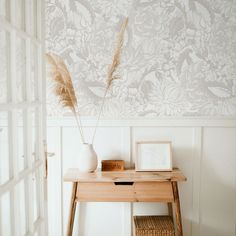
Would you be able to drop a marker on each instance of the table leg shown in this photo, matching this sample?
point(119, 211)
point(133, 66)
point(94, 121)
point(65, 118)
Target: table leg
point(72, 210)
point(177, 209)
point(170, 210)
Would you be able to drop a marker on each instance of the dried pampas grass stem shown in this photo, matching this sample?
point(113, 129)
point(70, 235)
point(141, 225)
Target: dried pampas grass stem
point(116, 57)
point(63, 86)
point(112, 68)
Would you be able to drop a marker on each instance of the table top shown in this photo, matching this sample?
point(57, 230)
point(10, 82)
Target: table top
point(73, 175)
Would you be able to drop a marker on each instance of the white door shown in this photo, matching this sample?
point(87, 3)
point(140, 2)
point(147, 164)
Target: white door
point(22, 121)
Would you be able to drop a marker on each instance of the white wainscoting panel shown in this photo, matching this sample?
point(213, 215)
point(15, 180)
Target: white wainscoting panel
point(205, 153)
point(218, 192)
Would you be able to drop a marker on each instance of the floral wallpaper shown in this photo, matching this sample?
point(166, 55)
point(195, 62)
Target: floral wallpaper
point(179, 56)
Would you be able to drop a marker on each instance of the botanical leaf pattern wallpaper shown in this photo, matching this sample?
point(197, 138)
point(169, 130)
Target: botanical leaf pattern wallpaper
point(179, 56)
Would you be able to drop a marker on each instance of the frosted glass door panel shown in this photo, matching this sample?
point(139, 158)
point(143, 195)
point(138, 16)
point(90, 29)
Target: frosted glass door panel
point(21, 152)
point(20, 70)
point(36, 234)
point(35, 132)
point(4, 46)
point(34, 71)
point(4, 9)
point(5, 215)
point(22, 204)
point(4, 148)
point(36, 195)
point(33, 18)
point(20, 14)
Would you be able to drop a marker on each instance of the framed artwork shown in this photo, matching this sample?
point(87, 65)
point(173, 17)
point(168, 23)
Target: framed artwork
point(153, 156)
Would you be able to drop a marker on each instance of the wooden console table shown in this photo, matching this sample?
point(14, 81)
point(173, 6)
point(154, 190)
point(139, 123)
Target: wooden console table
point(125, 186)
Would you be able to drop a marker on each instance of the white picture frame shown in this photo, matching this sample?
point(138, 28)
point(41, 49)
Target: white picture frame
point(153, 156)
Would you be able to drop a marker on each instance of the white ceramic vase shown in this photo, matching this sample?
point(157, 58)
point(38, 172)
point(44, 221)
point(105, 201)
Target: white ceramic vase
point(87, 158)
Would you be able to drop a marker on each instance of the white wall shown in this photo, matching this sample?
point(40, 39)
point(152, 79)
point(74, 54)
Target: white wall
point(204, 149)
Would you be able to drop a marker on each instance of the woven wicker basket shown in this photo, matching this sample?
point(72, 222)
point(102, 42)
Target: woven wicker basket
point(153, 226)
